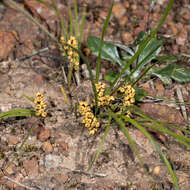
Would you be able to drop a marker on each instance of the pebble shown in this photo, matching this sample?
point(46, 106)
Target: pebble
point(156, 171)
point(118, 10)
point(13, 139)
point(31, 167)
point(47, 147)
point(52, 161)
point(44, 135)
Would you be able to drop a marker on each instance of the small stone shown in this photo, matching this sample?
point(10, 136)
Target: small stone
point(47, 147)
point(182, 37)
point(64, 145)
point(7, 43)
point(156, 171)
point(123, 21)
point(126, 37)
point(38, 80)
point(134, 7)
point(10, 169)
point(173, 27)
point(86, 52)
point(126, 4)
point(44, 135)
point(31, 167)
point(13, 139)
point(188, 87)
point(119, 10)
point(160, 88)
point(145, 85)
point(52, 161)
point(61, 178)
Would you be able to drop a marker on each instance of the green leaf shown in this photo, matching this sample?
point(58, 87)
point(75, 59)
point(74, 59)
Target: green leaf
point(169, 58)
point(110, 76)
point(109, 50)
point(166, 80)
point(177, 73)
point(149, 53)
point(140, 94)
point(125, 48)
point(106, 22)
point(141, 37)
point(17, 112)
point(125, 56)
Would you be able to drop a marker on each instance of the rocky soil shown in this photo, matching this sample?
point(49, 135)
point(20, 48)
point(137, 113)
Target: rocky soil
point(58, 152)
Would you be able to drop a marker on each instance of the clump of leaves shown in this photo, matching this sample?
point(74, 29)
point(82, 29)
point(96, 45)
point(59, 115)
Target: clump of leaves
point(146, 64)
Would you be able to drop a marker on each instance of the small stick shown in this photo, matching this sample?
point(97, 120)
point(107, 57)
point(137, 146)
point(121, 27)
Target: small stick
point(33, 54)
point(180, 97)
point(87, 173)
point(64, 75)
point(77, 78)
point(12, 180)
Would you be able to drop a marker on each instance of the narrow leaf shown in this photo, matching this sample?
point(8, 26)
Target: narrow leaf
point(101, 144)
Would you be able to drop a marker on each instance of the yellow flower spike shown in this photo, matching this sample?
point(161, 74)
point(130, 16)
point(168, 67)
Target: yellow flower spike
point(88, 118)
point(40, 105)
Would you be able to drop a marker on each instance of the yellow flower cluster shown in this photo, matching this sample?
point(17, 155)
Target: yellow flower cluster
point(129, 96)
point(40, 105)
point(89, 120)
point(71, 54)
point(103, 100)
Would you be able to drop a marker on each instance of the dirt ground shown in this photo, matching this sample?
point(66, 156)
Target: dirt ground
point(57, 154)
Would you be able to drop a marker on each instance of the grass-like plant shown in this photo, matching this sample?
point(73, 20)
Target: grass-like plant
point(123, 89)
point(39, 111)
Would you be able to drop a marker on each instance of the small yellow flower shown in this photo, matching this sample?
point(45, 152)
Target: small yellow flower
point(44, 114)
point(121, 89)
point(40, 105)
